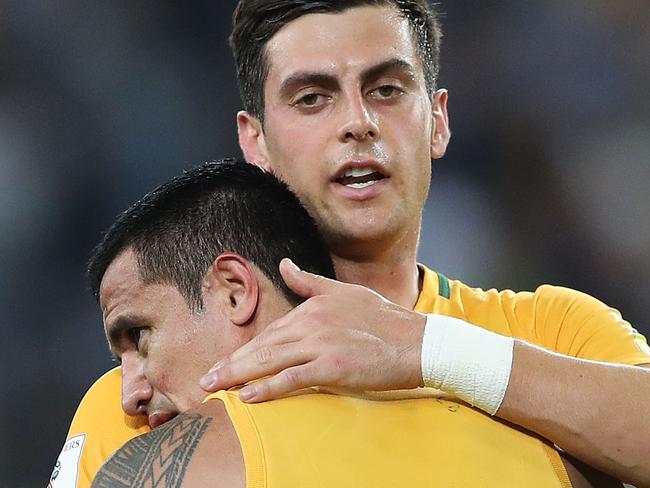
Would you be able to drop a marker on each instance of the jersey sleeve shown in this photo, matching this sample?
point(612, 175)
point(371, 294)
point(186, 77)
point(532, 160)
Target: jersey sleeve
point(98, 429)
point(575, 324)
point(559, 319)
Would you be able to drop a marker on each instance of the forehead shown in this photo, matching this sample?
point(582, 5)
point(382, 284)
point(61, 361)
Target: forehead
point(122, 278)
point(123, 294)
point(343, 42)
point(122, 291)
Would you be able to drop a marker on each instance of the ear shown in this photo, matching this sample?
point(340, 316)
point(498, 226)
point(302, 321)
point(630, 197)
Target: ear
point(440, 133)
point(251, 140)
point(232, 281)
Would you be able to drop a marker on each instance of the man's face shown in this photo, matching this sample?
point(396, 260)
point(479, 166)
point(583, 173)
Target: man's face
point(164, 347)
point(349, 123)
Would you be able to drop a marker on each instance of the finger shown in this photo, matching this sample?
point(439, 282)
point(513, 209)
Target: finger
point(287, 381)
point(283, 330)
point(262, 361)
point(277, 332)
point(304, 283)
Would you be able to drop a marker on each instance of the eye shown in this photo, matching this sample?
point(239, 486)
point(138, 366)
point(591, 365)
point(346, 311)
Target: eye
point(386, 92)
point(136, 336)
point(311, 100)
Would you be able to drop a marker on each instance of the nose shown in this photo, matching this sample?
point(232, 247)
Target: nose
point(359, 123)
point(136, 390)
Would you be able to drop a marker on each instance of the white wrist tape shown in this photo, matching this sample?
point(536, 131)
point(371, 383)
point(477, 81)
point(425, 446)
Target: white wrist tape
point(467, 361)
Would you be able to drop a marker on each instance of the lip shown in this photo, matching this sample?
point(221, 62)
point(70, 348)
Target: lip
point(158, 418)
point(360, 163)
point(360, 194)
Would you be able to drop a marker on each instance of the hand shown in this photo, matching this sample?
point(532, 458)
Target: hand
point(344, 336)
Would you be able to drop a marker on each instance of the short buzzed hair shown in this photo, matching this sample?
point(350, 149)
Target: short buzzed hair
point(255, 22)
point(178, 229)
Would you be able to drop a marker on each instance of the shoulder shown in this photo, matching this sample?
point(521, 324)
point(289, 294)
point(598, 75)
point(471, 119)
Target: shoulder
point(190, 450)
point(160, 457)
point(545, 297)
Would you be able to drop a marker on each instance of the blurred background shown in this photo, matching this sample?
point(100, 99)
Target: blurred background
point(546, 179)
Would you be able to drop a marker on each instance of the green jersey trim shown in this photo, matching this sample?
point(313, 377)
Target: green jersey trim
point(444, 289)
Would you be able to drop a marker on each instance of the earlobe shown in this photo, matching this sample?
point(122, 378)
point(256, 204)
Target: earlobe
point(232, 279)
point(440, 133)
point(251, 140)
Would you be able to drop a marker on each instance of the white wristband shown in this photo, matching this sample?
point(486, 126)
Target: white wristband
point(467, 361)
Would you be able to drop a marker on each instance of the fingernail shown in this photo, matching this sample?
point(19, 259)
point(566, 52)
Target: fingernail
point(293, 265)
point(247, 393)
point(208, 381)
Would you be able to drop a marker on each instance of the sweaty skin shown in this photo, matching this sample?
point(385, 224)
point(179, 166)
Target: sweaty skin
point(330, 109)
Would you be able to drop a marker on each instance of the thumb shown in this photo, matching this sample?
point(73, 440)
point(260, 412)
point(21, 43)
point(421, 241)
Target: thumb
point(304, 283)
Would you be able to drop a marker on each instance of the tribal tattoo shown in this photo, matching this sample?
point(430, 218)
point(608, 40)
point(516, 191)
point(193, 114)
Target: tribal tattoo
point(157, 459)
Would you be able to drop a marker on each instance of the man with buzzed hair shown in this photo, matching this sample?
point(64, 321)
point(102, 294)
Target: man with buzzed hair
point(341, 102)
point(188, 273)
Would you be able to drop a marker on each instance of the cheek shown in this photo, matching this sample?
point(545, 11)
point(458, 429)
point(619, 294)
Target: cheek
point(164, 381)
point(302, 175)
point(422, 128)
point(417, 125)
point(164, 368)
point(159, 371)
point(409, 137)
point(296, 151)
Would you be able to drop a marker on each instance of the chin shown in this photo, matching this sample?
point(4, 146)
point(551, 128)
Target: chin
point(359, 242)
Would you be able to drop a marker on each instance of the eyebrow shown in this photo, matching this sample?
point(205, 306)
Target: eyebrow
point(307, 78)
point(328, 81)
point(387, 67)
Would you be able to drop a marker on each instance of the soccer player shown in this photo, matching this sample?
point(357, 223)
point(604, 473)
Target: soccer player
point(189, 273)
point(341, 102)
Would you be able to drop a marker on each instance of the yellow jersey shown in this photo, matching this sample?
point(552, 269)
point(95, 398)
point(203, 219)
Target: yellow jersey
point(98, 429)
point(558, 319)
point(400, 438)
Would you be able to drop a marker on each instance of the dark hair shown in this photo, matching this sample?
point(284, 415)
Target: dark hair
point(178, 229)
point(255, 22)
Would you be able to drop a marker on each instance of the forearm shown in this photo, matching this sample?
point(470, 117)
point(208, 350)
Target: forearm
point(595, 411)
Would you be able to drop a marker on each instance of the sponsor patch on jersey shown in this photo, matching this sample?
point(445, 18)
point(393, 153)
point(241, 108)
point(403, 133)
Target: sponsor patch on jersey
point(66, 469)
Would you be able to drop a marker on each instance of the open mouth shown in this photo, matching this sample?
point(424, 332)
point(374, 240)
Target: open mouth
point(358, 178)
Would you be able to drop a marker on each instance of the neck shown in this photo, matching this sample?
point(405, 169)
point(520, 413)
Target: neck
point(390, 270)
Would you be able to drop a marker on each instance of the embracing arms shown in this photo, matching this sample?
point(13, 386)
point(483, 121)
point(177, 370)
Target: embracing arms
point(349, 337)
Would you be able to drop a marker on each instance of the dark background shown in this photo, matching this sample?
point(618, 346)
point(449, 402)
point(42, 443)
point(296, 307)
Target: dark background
point(546, 178)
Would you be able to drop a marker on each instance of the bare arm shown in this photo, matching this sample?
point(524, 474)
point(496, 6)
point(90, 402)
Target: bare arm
point(595, 411)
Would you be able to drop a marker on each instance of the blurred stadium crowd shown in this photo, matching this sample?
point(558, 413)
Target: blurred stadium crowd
point(547, 179)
